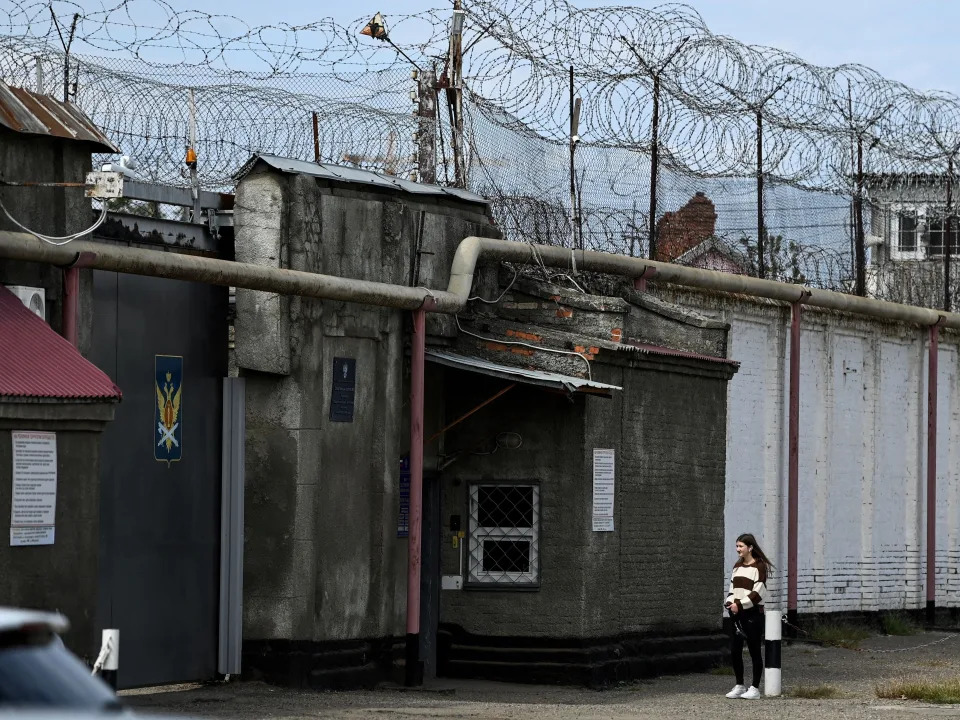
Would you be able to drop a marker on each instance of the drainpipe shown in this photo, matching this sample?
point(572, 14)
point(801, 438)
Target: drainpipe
point(71, 300)
point(793, 463)
point(640, 282)
point(414, 668)
point(933, 363)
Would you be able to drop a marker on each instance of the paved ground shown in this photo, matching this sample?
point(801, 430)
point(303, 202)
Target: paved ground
point(854, 673)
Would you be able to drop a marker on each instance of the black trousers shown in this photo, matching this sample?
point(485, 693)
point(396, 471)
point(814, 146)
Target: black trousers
point(751, 623)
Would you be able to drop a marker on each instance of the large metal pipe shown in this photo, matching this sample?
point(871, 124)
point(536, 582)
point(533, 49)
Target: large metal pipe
point(932, 370)
point(138, 261)
point(418, 346)
point(471, 248)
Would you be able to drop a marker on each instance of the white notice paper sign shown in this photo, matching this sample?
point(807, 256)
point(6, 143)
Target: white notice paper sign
point(603, 475)
point(33, 506)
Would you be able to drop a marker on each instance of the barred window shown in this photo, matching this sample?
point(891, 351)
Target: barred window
point(936, 235)
point(907, 231)
point(504, 535)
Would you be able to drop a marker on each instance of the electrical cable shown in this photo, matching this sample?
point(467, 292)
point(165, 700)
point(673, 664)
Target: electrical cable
point(57, 240)
point(534, 347)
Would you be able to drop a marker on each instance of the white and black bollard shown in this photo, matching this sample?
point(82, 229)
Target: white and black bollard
point(108, 661)
point(773, 632)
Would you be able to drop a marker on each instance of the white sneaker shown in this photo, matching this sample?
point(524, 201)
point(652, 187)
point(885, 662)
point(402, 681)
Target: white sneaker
point(751, 694)
point(738, 691)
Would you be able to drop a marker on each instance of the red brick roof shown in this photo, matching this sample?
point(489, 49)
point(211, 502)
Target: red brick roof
point(36, 362)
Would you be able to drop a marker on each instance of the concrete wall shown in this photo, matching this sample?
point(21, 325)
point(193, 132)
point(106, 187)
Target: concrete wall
point(552, 428)
point(862, 455)
point(62, 576)
point(322, 561)
point(657, 572)
point(54, 211)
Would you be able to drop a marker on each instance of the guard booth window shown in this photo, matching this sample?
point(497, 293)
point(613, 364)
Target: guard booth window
point(504, 535)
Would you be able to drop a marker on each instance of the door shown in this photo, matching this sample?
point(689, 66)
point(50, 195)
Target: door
point(164, 343)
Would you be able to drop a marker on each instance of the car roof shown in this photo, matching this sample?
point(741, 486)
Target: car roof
point(15, 618)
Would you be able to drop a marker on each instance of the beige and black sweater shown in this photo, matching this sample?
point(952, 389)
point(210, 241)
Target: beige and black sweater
point(748, 585)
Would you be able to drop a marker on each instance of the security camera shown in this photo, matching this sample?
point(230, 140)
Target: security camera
point(127, 166)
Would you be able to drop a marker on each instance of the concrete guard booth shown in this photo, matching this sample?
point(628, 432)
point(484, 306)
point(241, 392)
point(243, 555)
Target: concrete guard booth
point(575, 453)
point(54, 405)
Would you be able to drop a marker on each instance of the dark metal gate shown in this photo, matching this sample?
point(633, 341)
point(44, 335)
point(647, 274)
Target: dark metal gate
point(164, 343)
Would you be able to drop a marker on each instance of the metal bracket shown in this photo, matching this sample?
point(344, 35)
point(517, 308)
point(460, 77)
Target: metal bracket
point(103, 185)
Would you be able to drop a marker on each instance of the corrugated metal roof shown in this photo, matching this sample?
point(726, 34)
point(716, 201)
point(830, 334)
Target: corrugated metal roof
point(340, 173)
point(36, 362)
point(508, 372)
point(27, 112)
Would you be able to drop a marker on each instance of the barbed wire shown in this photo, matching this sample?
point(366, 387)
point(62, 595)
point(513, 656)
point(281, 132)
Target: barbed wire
point(830, 136)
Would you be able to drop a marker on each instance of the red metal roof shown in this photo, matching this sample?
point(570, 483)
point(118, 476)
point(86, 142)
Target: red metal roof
point(27, 112)
point(36, 362)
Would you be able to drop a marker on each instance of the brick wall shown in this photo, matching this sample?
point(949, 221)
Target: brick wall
point(862, 520)
point(660, 569)
point(686, 228)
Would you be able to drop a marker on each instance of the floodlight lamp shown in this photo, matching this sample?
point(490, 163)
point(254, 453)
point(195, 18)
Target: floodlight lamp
point(376, 28)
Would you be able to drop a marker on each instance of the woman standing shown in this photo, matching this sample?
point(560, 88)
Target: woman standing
point(745, 603)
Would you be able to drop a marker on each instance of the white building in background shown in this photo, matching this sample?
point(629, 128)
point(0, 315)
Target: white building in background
point(907, 236)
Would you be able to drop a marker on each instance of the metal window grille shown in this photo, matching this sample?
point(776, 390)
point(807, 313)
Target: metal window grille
point(504, 535)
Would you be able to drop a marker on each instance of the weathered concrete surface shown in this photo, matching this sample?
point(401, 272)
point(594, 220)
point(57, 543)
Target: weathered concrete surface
point(53, 211)
point(262, 318)
point(668, 428)
point(551, 455)
point(322, 560)
point(62, 576)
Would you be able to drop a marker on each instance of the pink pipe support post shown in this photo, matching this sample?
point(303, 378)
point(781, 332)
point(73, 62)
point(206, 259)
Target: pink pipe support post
point(71, 299)
point(793, 471)
point(933, 363)
point(414, 667)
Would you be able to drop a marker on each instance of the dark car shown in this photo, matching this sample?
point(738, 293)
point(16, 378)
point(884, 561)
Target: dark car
point(37, 670)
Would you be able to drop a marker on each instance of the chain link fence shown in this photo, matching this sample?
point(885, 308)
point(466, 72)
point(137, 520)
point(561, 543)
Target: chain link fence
point(791, 171)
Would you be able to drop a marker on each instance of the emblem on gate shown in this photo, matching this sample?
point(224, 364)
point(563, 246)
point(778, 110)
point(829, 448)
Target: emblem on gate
point(168, 435)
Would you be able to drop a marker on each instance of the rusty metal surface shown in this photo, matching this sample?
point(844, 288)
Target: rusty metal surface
point(28, 113)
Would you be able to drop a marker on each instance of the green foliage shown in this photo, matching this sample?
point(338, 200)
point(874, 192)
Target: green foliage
point(932, 691)
point(782, 258)
point(841, 634)
point(895, 624)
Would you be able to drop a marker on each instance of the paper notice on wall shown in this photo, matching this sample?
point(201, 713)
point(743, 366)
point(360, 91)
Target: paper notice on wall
point(33, 505)
point(603, 489)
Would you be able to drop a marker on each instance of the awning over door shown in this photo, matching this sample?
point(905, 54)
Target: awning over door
point(533, 377)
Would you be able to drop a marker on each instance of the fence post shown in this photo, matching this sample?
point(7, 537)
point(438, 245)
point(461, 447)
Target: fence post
point(427, 128)
point(773, 633)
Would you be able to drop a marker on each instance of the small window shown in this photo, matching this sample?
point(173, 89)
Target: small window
point(504, 535)
point(907, 236)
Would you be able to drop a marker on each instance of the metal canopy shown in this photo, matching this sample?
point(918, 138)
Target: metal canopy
point(533, 377)
point(30, 113)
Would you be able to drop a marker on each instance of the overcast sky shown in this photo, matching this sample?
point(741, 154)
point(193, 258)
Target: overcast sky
point(913, 42)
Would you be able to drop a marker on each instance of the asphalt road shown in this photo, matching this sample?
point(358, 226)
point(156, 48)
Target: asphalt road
point(854, 673)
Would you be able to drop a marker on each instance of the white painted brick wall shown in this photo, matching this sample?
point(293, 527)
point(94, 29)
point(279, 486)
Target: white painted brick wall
point(863, 421)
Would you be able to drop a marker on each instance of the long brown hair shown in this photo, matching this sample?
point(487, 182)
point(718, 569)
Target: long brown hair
point(751, 542)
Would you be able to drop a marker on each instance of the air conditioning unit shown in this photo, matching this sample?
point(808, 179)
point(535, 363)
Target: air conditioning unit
point(34, 298)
